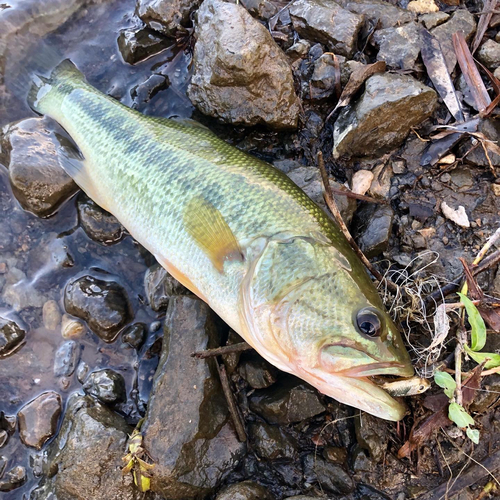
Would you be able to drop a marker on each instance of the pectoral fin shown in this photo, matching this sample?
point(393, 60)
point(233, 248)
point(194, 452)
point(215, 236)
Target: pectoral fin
point(207, 227)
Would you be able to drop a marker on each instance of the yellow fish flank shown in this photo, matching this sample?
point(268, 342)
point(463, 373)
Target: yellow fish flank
point(240, 235)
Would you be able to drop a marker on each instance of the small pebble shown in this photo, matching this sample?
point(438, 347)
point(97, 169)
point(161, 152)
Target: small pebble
point(51, 315)
point(66, 359)
point(154, 326)
point(13, 479)
point(71, 328)
point(361, 181)
point(82, 372)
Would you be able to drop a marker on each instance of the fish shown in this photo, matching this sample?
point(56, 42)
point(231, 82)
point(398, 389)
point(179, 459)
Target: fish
point(239, 234)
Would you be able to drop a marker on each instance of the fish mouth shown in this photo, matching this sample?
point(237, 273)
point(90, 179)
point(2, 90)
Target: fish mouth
point(378, 368)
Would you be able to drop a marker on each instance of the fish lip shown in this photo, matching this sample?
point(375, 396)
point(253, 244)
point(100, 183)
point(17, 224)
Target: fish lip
point(378, 368)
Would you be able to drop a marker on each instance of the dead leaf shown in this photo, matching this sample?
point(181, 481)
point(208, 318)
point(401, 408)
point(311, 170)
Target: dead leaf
point(484, 21)
point(441, 326)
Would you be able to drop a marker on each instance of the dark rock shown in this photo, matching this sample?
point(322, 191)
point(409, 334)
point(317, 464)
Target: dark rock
point(258, 372)
point(379, 12)
point(461, 20)
point(8, 422)
point(106, 385)
point(38, 181)
point(290, 401)
point(82, 372)
point(247, 490)
point(323, 77)
point(87, 455)
point(166, 16)
point(489, 54)
point(271, 442)
point(13, 479)
point(4, 437)
point(160, 287)
point(3, 465)
point(433, 19)
point(38, 419)
point(99, 225)
point(328, 23)
point(384, 115)
point(491, 129)
point(139, 43)
point(372, 435)
point(331, 477)
point(102, 304)
point(374, 228)
point(145, 91)
point(66, 359)
point(240, 75)
point(186, 431)
point(11, 337)
point(335, 455)
point(263, 9)
point(134, 335)
point(360, 460)
point(400, 46)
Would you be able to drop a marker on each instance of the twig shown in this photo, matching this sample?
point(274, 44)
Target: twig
point(330, 201)
point(458, 364)
point(356, 196)
point(233, 409)
point(228, 349)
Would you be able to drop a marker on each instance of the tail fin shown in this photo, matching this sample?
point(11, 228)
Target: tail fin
point(46, 94)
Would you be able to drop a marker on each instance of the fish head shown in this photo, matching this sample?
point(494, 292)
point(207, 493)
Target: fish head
point(332, 330)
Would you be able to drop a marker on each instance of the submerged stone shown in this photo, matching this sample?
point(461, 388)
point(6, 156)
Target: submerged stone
point(139, 43)
point(11, 337)
point(160, 287)
point(247, 490)
point(271, 442)
point(66, 359)
point(13, 479)
point(106, 385)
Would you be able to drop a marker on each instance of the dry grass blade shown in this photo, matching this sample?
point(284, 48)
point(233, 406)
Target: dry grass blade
point(484, 22)
point(470, 72)
point(435, 63)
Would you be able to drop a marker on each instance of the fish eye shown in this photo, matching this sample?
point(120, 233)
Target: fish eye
point(368, 323)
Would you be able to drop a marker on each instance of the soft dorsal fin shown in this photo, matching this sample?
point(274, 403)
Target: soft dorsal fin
point(207, 227)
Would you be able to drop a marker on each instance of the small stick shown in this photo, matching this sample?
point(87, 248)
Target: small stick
point(227, 349)
point(361, 197)
point(330, 201)
point(458, 365)
point(233, 409)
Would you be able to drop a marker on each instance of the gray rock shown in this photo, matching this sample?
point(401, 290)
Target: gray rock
point(433, 19)
point(99, 225)
point(102, 304)
point(13, 479)
point(38, 181)
point(240, 75)
point(258, 372)
point(66, 359)
point(384, 115)
point(323, 77)
point(372, 435)
point(134, 335)
point(328, 23)
point(51, 315)
point(160, 287)
point(475, 156)
point(286, 403)
point(461, 20)
point(489, 54)
point(38, 419)
point(139, 43)
point(11, 337)
point(187, 431)
point(381, 12)
point(106, 385)
point(400, 46)
point(298, 50)
point(263, 9)
point(166, 16)
point(374, 228)
point(332, 477)
point(271, 442)
point(247, 490)
point(90, 434)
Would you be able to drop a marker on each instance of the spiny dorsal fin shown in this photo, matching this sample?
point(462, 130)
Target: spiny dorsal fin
point(207, 227)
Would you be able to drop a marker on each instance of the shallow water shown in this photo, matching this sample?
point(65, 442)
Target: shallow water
point(41, 255)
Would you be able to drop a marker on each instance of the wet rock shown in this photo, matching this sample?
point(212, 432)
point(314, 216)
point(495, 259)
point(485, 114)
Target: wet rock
point(139, 43)
point(434, 19)
point(38, 419)
point(166, 16)
point(379, 12)
point(38, 181)
point(82, 372)
point(51, 315)
point(160, 287)
point(186, 430)
point(399, 47)
point(99, 225)
point(332, 477)
point(271, 442)
point(240, 75)
point(372, 435)
point(71, 328)
point(4, 437)
point(263, 9)
point(384, 115)
point(87, 455)
point(107, 386)
point(8, 422)
point(298, 50)
point(289, 402)
point(66, 359)
point(373, 228)
point(258, 372)
point(11, 337)
point(335, 455)
point(102, 304)
point(134, 335)
point(323, 77)
point(489, 54)
point(247, 490)
point(13, 479)
point(461, 20)
point(327, 22)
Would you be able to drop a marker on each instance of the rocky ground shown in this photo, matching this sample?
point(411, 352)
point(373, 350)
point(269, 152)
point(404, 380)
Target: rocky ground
point(94, 335)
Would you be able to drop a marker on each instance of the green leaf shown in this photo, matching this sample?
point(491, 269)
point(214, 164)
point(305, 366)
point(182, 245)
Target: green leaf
point(446, 381)
point(492, 357)
point(473, 435)
point(478, 333)
point(457, 414)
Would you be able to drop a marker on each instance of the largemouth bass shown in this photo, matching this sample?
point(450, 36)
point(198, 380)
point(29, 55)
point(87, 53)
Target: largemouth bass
point(239, 234)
